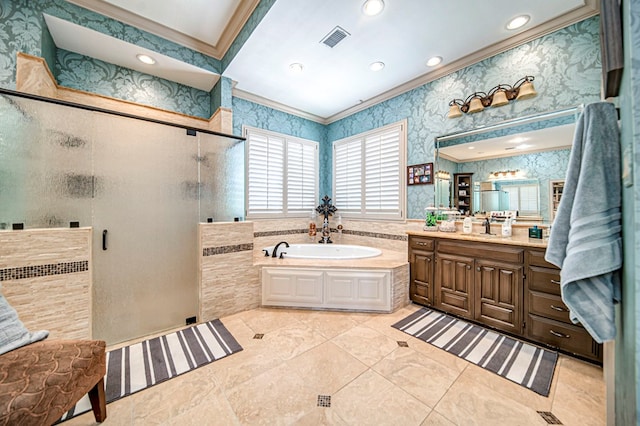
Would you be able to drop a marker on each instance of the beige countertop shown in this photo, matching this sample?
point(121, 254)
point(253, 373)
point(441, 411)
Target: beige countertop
point(515, 240)
point(389, 259)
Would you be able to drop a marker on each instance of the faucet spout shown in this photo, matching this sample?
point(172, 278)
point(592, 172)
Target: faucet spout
point(487, 226)
point(275, 249)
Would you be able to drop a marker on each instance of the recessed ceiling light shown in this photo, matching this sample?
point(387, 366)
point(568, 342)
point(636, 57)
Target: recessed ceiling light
point(518, 22)
point(296, 67)
point(376, 66)
point(471, 147)
point(146, 59)
point(372, 7)
point(432, 62)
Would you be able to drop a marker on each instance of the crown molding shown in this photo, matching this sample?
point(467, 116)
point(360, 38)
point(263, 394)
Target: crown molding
point(276, 105)
point(589, 9)
point(231, 30)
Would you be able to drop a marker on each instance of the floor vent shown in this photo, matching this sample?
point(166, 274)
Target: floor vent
point(403, 344)
point(334, 37)
point(549, 418)
point(324, 401)
point(258, 336)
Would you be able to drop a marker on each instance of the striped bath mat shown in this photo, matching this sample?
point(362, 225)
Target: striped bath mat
point(133, 368)
point(522, 363)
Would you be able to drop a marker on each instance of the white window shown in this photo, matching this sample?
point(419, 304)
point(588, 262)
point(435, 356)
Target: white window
point(524, 198)
point(368, 173)
point(281, 174)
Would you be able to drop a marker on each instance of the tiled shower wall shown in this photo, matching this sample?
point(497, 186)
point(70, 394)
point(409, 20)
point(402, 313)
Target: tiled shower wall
point(228, 282)
point(46, 276)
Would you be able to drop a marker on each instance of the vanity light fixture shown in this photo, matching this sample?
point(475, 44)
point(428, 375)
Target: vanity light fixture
point(506, 174)
point(443, 174)
point(498, 96)
point(376, 66)
point(146, 59)
point(372, 7)
point(518, 22)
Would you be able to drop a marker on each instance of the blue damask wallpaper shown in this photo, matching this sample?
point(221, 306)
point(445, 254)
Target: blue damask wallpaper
point(566, 67)
point(22, 29)
point(90, 74)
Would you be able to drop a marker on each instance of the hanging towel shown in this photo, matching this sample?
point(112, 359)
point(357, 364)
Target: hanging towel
point(585, 240)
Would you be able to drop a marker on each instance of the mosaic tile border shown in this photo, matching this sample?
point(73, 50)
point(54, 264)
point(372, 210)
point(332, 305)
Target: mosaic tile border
point(212, 251)
point(23, 272)
point(334, 232)
point(280, 232)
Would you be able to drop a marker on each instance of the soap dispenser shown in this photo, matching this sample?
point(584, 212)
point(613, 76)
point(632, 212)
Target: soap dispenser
point(506, 228)
point(467, 225)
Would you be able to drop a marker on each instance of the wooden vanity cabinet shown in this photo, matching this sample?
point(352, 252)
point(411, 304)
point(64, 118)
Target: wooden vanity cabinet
point(506, 287)
point(480, 281)
point(421, 261)
point(546, 315)
point(453, 284)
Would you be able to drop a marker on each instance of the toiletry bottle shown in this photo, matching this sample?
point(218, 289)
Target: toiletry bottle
point(339, 227)
point(506, 228)
point(467, 225)
point(312, 225)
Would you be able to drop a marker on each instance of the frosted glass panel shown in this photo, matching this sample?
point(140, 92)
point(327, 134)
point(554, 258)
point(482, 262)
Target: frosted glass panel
point(222, 178)
point(147, 201)
point(146, 184)
point(45, 164)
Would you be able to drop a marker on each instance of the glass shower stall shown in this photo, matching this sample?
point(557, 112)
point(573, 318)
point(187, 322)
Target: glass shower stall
point(142, 185)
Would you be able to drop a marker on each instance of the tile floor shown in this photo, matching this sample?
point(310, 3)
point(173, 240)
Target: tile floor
point(355, 359)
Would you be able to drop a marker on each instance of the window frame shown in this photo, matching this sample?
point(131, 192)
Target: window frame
point(398, 214)
point(247, 131)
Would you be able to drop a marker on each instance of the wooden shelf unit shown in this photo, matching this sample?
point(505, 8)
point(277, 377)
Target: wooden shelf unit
point(555, 192)
point(463, 192)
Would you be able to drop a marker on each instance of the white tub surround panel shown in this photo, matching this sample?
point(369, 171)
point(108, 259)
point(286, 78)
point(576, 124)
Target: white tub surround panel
point(228, 281)
point(46, 276)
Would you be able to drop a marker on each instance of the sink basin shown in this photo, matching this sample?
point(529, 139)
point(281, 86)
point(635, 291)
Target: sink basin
point(482, 234)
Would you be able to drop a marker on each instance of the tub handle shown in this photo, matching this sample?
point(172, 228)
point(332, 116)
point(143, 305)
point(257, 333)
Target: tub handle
point(266, 252)
point(104, 239)
point(282, 253)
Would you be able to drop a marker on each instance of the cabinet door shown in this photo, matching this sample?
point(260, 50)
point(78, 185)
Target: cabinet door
point(498, 297)
point(453, 284)
point(421, 284)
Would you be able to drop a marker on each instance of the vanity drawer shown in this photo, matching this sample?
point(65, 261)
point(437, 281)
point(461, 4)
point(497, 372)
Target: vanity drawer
point(482, 250)
point(544, 279)
point(567, 337)
point(536, 258)
point(548, 306)
point(422, 243)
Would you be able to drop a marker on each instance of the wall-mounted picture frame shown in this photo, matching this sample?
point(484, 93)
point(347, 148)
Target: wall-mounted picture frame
point(611, 47)
point(420, 174)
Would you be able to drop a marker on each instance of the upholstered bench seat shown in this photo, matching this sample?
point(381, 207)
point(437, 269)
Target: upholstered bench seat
point(41, 381)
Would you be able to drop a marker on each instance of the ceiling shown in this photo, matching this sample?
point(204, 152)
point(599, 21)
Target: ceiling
point(334, 82)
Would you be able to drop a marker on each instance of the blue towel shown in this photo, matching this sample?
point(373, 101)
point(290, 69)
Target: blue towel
point(585, 240)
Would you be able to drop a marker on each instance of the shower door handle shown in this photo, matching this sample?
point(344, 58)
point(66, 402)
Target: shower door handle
point(104, 239)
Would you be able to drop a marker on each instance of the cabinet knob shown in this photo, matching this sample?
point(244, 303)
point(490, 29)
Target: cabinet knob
point(555, 333)
point(478, 269)
point(468, 266)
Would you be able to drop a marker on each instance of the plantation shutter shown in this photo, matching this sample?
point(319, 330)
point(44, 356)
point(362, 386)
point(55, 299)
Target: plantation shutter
point(368, 173)
point(265, 177)
point(348, 175)
point(382, 173)
point(301, 176)
point(281, 174)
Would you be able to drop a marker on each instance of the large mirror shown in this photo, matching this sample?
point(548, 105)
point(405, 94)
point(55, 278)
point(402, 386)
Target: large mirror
point(515, 168)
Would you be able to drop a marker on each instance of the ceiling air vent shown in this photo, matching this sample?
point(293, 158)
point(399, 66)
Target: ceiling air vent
point(334, 37)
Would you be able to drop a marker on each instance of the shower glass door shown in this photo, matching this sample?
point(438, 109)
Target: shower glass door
point(145, 215)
